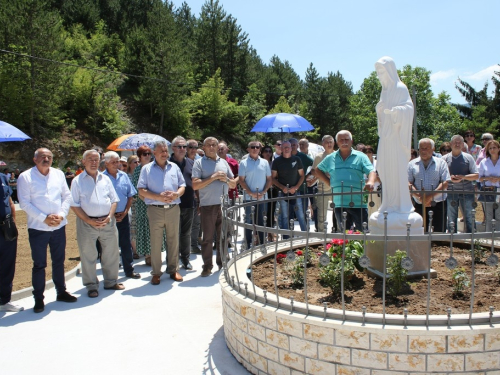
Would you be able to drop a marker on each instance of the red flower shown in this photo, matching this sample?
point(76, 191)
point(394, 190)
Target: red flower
point(328, 245)
point(280, 257)
point(334, 255)
point(298, 252)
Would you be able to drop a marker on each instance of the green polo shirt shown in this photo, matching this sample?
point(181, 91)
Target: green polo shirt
point(345, 174)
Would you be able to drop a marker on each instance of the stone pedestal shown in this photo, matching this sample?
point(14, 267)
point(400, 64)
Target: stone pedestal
point(397, 225)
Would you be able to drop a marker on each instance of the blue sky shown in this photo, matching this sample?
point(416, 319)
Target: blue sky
point(450, 38)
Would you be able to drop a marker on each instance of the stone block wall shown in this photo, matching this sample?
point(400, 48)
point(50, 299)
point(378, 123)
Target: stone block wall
point(271, 341)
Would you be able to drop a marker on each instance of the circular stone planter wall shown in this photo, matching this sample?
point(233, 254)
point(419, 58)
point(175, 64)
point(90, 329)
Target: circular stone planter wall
point(267, 340)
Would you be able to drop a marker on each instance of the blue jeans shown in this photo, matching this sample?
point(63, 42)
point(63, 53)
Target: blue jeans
point(284, 217)
point(355, 216)
point(260, 209)
point(125, 245)
point(8, 252)
point(465, 201)
point(56, 241)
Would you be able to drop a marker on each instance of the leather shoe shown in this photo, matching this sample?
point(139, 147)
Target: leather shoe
point(39, 306)
point(134, 275)
point(176, 276)
point(155, 280)
point(65, 297)
point(187, 265)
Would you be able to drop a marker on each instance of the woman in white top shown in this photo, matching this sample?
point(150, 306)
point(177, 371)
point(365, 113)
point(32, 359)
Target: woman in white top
point(489, 174)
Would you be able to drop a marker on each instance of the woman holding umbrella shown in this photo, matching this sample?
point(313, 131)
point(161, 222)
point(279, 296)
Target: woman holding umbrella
point(140, 222)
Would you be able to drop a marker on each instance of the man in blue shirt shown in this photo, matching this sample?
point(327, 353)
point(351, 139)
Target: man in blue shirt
point(161, 184)
point(347, 168)
point(255, 179)
point(125, 192)
point(8, 249)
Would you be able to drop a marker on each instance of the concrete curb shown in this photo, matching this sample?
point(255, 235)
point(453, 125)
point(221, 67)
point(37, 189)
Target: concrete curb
point(26, 292)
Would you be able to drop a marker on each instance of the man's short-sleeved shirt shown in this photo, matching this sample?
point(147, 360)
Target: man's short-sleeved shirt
point(204, 168)
point(428, 178)
point(157, 180)
point(346, 176)
point(288, 170)
point(255, 173)
point(462, 164)
point(123, 187)
point(95, 197)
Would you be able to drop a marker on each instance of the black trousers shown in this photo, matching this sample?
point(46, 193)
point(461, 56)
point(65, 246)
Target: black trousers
point(438, 217)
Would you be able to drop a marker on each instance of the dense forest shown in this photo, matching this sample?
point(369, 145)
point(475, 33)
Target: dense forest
point(82, 72)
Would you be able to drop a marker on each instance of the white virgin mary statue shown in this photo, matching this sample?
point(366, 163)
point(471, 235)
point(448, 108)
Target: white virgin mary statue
point(394, 117)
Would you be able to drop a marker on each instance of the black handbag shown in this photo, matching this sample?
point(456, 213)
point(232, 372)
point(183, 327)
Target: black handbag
point(9, 228)
point(487, 198)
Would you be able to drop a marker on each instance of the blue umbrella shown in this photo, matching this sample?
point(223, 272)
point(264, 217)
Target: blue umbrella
point(144, 139)
point(282, 123)
point(9, 133)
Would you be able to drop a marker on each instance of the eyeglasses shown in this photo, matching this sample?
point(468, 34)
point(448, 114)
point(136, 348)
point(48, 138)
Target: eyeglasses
point(146, 154)
point(486, 139)
point(278, 144)
point(191, 147)
point(182, 146)
point(255, 147)
point(267, 150)
point(469, 136)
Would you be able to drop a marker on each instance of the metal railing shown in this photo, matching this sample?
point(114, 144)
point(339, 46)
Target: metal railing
point(237, 264)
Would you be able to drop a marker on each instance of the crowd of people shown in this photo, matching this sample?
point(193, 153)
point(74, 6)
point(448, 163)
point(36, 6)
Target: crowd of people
point(155, 201)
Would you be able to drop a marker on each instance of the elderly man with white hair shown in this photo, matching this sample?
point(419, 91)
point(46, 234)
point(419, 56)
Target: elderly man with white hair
point(162, 185)
point(463, 171)
point(94, 203)
point(428, 172)
point(346, 168)
point(125, 191)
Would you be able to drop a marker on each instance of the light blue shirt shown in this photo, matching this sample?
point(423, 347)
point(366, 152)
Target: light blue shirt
point(94, 197)
point(157, 180)
point(40, 196)
point(255, 173)
point(123, 187)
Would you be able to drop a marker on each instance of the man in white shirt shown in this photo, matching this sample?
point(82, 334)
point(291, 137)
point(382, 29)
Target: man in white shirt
point(94, 203)
point(44, 195)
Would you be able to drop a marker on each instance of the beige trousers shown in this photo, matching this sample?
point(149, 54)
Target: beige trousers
point(164, 218)
point(86, 236)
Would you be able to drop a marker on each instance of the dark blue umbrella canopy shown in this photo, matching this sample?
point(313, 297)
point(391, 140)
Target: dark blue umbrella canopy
point(9, 133)
point(282, 123)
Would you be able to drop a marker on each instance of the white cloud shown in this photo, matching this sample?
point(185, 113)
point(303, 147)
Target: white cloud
point(443, 75)
point(482, 75)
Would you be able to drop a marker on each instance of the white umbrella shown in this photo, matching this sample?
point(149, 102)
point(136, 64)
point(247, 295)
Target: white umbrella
point(144, 139)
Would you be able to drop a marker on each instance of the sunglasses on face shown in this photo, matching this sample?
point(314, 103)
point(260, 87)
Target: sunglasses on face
point(485, 139)
point(255, 147)
point(278, 144)
point(267, 150)
point(146, 154)
point(192, 147)
point(469, 136)
point(181, 146)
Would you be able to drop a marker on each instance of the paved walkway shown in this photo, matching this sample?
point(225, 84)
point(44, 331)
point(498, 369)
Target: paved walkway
point(172, 328)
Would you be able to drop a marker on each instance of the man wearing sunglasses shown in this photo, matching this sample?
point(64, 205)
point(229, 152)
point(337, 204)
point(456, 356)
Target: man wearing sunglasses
point(255, 179)
point(180, 146)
